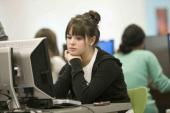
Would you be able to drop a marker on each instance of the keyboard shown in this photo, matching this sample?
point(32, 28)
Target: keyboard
point(66, 102)
point(51, 103)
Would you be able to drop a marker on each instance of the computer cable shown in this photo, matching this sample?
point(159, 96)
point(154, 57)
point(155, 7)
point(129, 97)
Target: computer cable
point(4, 104)
point(5, 94)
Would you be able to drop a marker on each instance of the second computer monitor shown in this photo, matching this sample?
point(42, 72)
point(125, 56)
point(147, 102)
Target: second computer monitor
point(7, 90)
point(107, 46)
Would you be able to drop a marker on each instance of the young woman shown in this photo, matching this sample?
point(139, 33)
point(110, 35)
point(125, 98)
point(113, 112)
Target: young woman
point(139, 65)
point(91, 75)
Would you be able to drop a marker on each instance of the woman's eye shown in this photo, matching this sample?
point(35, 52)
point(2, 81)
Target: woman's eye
point(79, 37)
point(68, 36)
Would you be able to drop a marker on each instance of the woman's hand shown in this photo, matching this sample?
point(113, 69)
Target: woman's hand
point(69, 57)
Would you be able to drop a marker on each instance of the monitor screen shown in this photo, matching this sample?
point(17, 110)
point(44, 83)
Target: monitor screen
point(107, 46)
point(169, 41)
point(159, 45)
point(32, 66)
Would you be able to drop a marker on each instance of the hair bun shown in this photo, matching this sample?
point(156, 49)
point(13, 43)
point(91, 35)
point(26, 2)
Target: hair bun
point(93, 15)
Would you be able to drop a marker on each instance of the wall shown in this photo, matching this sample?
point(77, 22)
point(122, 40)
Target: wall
point(22, 18)
point(151, 6)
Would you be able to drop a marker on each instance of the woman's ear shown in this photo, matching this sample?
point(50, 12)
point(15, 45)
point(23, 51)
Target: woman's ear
point(92, 40)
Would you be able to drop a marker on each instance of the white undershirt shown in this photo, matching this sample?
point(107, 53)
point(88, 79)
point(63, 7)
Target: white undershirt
point(88, 68)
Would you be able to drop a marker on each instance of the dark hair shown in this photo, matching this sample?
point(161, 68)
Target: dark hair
point(3, 36)
point(132, 37)
point(85, 25)
point(51, 40)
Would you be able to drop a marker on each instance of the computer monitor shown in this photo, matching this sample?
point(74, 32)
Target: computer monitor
point(169, 41)
point(160, 46)
point(7, 91)
point(32, 64)
point(107, 46)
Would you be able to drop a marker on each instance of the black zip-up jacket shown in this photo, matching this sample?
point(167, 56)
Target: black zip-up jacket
point(107, 81)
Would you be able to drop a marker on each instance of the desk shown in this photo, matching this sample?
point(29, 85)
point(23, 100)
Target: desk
point(89, 108)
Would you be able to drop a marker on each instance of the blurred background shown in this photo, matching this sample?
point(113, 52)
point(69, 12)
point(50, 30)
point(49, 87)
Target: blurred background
point(22, 18)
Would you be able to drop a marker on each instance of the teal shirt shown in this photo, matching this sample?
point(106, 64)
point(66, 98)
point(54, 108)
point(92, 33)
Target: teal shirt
point(140, 66)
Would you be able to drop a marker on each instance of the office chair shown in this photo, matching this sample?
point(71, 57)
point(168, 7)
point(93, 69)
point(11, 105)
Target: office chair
point(138, 98)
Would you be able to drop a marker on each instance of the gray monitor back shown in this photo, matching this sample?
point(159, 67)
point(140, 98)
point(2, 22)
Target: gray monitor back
point(30, 58)
point(159, 45)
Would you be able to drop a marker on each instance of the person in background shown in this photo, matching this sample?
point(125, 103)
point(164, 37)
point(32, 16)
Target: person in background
point(3, 36)
point(56, 60)
point(90, 75)
point(139, 65)
point(64, 48)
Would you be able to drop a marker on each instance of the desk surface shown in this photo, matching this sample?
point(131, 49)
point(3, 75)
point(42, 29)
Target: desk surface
point(90, 108)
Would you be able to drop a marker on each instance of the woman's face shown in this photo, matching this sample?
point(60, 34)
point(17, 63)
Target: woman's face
point(77, 45)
